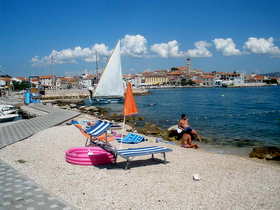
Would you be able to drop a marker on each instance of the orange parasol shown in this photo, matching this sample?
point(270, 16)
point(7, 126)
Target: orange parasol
point(129, 107)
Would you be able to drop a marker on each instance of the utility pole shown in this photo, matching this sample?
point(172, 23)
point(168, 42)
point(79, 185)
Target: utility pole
point(53, 76)
point(189, 64)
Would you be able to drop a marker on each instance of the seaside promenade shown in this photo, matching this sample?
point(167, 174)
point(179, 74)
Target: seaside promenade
point(18, 191)
point(22, 129)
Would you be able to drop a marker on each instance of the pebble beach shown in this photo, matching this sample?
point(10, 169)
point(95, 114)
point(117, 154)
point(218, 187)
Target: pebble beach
point(226, 181)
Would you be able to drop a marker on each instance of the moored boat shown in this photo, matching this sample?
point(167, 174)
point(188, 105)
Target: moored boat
point(7, 117)
point(8, 109)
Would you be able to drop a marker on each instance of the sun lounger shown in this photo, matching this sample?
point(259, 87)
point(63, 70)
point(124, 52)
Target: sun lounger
point(131, 138)
point(141, 151)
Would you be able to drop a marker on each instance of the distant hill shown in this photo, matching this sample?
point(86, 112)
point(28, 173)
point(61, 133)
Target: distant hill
point(272, 74)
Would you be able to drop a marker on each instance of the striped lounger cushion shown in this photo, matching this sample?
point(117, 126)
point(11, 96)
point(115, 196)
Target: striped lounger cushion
point(99, 128)
point(141, 151)
point(131, 138)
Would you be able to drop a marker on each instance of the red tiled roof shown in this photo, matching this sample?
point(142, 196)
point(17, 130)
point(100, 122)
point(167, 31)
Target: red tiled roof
point(175, 73)
point(7, 79)
point(259, 77)
point(34, 79)
point(46, 77)
point(182, 68)
point(207, 76)
point(22, 78)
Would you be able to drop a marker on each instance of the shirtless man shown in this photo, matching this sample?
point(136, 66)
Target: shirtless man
point(187, 132)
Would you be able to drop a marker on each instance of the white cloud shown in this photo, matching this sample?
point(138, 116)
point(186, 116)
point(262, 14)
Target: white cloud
point(226, 46)
point(101, 49)
point(200, 51)
point(134, 45)
point(169, 49)
point(71, 55)
point(261, 46)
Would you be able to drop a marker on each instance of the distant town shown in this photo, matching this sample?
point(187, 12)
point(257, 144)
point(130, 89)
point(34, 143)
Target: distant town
point(182, 76)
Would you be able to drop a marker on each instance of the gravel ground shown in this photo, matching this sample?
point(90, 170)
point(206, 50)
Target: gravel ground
point(227, 182)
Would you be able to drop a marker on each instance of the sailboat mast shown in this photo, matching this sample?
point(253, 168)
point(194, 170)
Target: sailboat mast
point(96, 65)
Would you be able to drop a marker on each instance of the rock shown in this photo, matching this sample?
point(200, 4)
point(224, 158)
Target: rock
point(91, 108)
point(141, 118)
point(115, 117)
point(268, 153)
point(65, 107)
point(73, 106)
point(21, 161)
point(150, 129)
point(173, 133)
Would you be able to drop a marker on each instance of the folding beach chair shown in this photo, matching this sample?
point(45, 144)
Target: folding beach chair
point(131, 138)
point(98, 131)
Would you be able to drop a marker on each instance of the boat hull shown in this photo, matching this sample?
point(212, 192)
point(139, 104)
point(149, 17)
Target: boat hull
point(106, 100)
point(8, 117)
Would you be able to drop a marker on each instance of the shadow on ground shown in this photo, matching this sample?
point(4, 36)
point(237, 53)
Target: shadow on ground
point(133, 164)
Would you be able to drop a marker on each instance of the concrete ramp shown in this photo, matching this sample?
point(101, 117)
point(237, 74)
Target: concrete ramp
point(23, 129)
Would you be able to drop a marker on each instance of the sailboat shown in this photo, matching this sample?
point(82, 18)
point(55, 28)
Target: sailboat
point(110, 88)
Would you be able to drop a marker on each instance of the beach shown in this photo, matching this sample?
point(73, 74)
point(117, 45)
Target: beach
point(227, 181)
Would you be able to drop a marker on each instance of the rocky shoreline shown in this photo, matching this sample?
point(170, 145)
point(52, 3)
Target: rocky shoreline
point(138, 124)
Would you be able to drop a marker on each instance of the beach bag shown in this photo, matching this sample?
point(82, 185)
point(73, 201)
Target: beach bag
point(179, 130)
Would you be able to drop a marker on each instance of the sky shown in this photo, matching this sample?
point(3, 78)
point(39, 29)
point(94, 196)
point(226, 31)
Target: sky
point(63, 37)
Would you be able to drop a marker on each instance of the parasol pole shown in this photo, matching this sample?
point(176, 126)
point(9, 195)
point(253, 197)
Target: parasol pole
point(130, 107)
point(123, 130)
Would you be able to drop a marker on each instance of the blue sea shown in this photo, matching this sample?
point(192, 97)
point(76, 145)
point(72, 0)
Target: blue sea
point(224, 116)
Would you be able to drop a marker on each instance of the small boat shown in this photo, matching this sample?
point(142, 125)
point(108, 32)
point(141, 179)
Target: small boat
point(99, 101)
point(8, 109)
point(7, 117)
point(110, 88)
point(7, 112)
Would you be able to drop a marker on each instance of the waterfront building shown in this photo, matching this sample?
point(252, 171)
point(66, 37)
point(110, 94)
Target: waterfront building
point(47, 81)
point(67, 82)
point(207, 79)
point(136, 80)
point(255, 80)
point(228, 79)
point(158, 77)
point(34, 80)
point(5, 81)
point(175, 77)
point(87, 80)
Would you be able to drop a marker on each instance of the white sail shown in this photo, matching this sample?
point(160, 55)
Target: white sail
point(111, 82)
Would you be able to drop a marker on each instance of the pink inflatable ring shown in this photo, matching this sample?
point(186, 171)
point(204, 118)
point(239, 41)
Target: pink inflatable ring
point(89, 156)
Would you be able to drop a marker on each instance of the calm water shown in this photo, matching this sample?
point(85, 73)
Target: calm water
point(237, 116)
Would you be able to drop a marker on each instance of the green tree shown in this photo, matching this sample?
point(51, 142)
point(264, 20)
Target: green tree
point(271, 81)
point(18, 86)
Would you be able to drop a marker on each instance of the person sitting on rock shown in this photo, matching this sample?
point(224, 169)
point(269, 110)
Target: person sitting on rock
point(186, 132)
